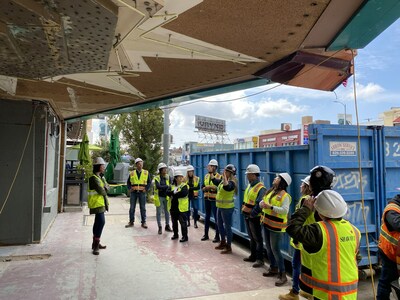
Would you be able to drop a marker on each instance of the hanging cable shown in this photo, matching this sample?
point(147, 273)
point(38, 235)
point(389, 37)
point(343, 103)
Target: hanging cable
point(360, 171)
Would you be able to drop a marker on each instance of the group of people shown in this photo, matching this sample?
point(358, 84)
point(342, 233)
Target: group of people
point(326, 246)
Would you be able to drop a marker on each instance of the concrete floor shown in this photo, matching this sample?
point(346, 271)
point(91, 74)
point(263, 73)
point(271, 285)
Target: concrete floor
point(137, 264)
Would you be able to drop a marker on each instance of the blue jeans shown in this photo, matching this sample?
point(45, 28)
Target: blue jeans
point(99, 221)
point(273, 243)
point(296, 266)
point(224, 220)
point(255, 234)
point(142, 204)
point(210, 207)
point(388, 274)
point(163, 207)
point(194, 204)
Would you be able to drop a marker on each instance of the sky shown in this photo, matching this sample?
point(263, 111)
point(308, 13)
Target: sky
point(377, 86)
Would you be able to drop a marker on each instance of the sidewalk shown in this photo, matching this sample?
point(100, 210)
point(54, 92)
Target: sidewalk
point(137, 264)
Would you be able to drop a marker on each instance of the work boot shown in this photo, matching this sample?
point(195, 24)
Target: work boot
point(144, 225)
point(289, 296)
point(282, 279)
point(174, 237)
point(227, 250)
point(195, 224)
point(100, 245)
point(249, 259)
point(216, 239)
point(96, 247)
point(159, 230)
point(188, 223)
point(306, 295)
point(271, 272)
point(130, 224)
point(221, 245)
point(184, 239)
point(259, 263)
point(205, 238)
point(167, 228)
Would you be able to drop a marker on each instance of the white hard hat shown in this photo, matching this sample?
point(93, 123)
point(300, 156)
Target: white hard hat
point(330, 204)
point(307, 180)
point(286, 177)
point(252, 169)
point(161, 165)
point(178, 173)
point(213, 162)
point(99, 161)
point(190, 168)
point(138, 160)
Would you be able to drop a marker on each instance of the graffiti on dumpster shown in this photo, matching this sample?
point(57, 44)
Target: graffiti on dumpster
point(350, 180)
point(392, 149)
point(355, 213)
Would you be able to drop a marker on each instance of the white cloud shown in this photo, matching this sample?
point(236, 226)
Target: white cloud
point(371, 92)
point(277, 108)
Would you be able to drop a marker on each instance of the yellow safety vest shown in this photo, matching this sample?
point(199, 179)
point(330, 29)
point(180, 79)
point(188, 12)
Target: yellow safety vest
point(95, 199)
point(196, 181)
point(271, 219)
point(388, 239)
point(250, 197)
point(332, 272)
point(139, 184)
point(224, 199)
point(309, 220)
point(210, 195)
point(156, 196)
point(183, 203)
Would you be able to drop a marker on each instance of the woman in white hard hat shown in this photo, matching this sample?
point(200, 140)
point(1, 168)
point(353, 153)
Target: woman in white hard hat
point(210, 193)
point(306, 192)
point(330, 247)
point(225, 202)
point(275, 208)
point(98, 202)
point(161, 200)
point(179, 205)
point(194, 186)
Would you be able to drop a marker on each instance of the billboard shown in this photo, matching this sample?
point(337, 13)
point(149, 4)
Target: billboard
point(210, 124)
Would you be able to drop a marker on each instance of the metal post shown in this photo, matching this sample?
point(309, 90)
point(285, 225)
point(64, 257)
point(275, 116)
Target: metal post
point(345, 115)
point(166, 137)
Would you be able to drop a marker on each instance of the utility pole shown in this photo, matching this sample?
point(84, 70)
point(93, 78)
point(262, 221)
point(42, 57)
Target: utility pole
point(345, 115)
point(166, 135)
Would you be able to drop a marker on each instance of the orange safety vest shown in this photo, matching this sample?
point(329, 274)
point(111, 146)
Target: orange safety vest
point(388, 240)
point(139, 184)
point(398, 257)
point(250, 197)
point(210, 195)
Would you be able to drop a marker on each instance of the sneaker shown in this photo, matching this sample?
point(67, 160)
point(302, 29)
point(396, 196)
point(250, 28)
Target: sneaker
point(159, 230)
point(130, 224)
point(259, 263)
point(289, 296)
point(144, 225)
point(249, 259)
point(167, 228)
point(205, 238)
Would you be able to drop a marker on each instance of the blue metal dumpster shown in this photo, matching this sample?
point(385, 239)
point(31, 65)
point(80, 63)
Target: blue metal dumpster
point(335, 146)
